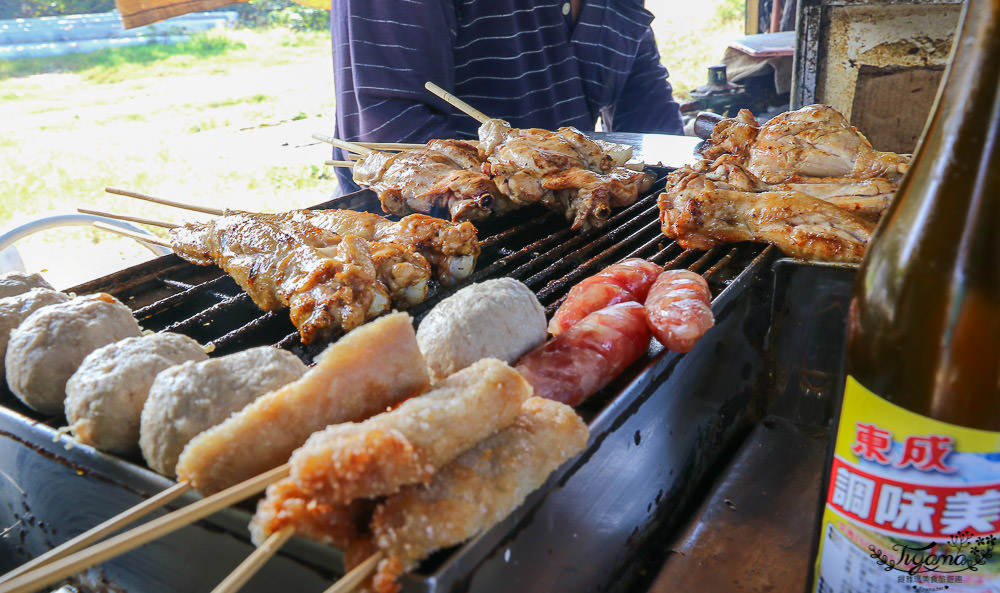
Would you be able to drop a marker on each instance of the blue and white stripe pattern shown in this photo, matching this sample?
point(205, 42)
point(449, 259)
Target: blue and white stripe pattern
point(519, 60)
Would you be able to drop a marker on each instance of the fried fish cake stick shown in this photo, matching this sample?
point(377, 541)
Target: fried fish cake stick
point(408, 444)
point(476, 490)
point(286, 505)
point(370, 369)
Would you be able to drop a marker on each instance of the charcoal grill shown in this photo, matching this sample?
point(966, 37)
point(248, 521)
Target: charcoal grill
point(659, 432)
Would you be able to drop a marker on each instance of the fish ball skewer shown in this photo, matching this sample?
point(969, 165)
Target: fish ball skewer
point(498, 318)
point(45, 350)
point(192, 397)
point(105, 396)
point(14, 283)
point(16, 308)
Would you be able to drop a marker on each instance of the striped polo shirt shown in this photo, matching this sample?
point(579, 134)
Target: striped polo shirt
point(523, 61)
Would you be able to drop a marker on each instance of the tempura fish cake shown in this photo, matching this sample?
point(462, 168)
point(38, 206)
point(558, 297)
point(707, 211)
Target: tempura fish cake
point(370, 369)
point(408, 444)
point(476, 490)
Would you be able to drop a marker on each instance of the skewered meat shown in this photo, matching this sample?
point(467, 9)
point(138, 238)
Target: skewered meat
point(564, 170)
point(409, 443)
point(14, 283)
point(443, 178)
point(800, 225)
point(16, 308)
point(733, 135)
point(450, 248)
point(371, 368)
point(581, 360)
point(679, 309)
point(46, 348)
point(476, 490)
point(324, 289)
point(814, 141)
point(105, 396)
point(190, 398)
point(498, 318)
point(625, 281)
point(399, 268)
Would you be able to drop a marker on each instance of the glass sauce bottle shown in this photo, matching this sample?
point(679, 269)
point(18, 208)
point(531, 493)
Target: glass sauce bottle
point(912, 501)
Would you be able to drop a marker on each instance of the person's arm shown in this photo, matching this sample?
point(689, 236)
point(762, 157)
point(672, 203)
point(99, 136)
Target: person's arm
point(383, 53)
point(646, 103)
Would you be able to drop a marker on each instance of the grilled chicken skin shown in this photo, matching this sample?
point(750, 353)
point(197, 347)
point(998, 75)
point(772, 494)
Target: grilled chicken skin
point(451, 248)
point(799, 224)
point(324, 289)
point(442, 178)
point(814, 141)
point(867, 197)
point(563, 170)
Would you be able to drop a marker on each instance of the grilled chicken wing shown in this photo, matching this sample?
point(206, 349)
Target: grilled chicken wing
point(564, 170)
point(443, 177)
point(324, 288)
point(815, 141)
point(799, 224)
point(451, 248)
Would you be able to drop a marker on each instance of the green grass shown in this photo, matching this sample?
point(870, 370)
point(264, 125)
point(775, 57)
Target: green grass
point(223, 120)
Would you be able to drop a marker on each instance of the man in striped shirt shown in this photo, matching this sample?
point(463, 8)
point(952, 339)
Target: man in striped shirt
point(541, 63)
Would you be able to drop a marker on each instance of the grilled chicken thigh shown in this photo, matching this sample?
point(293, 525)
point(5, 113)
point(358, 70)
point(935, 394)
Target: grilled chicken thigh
point(868, 197)
point(564, 170)
point(444, 177)
point(815, 141)
point(799, 224)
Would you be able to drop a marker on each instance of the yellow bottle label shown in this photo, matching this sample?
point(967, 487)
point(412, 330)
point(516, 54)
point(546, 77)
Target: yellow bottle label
point(913, 504)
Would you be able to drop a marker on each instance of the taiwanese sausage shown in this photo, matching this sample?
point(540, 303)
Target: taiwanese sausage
point(679, 308)
point(625, 281)
point(581, 360)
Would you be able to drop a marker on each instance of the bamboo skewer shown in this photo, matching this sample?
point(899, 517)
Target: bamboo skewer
point(255, 561)
point(348, 164)
point(101, 530)
point(131, 234)
point(348, 146)
point(129, 540)
point(139, 219)
point(458, 103)
point(350, 581)
point(149, 198)
point(390, 145)
point(483, 118)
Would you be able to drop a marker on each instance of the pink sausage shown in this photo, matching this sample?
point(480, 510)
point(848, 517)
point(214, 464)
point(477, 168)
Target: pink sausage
point(581, 360)
point(628, 280)
point(679, 309)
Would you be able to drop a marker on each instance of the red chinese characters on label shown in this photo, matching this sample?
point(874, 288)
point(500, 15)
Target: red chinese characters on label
point(913, 510)
point(925, 453)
